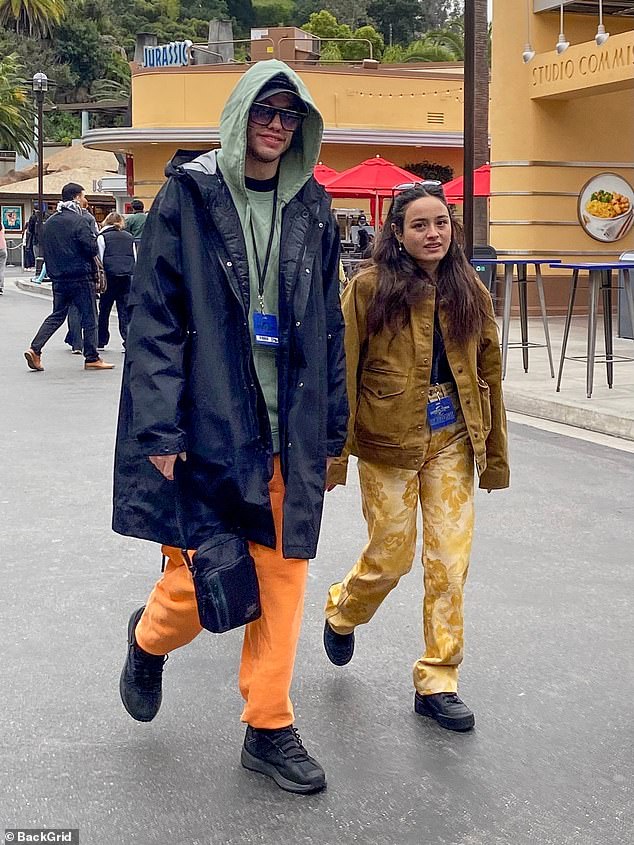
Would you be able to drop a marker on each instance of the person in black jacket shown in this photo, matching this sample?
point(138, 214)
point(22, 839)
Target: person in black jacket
point(233, 399)
point(116, 250)
point(69, 249)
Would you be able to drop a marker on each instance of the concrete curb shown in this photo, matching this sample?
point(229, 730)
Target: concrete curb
point(45, 289)
point(549, 409)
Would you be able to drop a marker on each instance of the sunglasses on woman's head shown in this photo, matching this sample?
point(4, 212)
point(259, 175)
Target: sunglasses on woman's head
point(264, 115)
point(431, 186)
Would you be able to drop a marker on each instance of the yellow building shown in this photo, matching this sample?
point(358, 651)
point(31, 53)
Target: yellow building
point(406, 114)
point(562, 129)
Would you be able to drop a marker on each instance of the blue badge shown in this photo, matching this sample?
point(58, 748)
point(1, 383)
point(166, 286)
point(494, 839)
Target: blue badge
point(441, 413)
point(265, 330)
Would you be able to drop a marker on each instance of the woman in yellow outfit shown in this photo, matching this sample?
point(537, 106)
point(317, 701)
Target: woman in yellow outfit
point(425, 394)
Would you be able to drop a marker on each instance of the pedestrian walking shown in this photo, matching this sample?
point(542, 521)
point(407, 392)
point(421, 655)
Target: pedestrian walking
point(30, 242)
point(424, 384)
point(69, 246)
point(234, 388)
point(3, 256)
point(116, 250)
point(73, 336)
point(135, 222)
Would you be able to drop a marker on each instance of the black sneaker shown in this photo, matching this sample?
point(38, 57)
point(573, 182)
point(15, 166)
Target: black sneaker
point(281, 755)
point(447, 709)
point(339, 647)
point(142, 677)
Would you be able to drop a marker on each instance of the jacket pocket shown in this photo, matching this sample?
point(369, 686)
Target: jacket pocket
point(380, 412)
point(485, 405)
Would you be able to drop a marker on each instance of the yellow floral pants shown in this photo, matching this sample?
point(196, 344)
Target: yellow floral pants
point(390, 497)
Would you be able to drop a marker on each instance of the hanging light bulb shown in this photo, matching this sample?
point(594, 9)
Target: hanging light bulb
point(562, 45)
point(528, 53)
point(602, 36)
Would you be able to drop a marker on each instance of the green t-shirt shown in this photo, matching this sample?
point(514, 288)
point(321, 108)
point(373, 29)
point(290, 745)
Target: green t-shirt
point(134, 223)
point(259, 212)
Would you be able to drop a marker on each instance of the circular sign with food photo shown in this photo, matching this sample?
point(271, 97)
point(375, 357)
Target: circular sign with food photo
point(606, 207)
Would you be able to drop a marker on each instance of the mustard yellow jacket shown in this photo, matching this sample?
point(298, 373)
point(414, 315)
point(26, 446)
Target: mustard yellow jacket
point(388, 380)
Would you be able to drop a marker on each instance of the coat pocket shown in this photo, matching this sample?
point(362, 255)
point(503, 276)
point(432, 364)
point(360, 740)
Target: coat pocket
point(380, 412)
point(485, 405)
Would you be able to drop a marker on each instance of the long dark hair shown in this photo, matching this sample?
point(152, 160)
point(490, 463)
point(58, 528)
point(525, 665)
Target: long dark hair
point(402, 282)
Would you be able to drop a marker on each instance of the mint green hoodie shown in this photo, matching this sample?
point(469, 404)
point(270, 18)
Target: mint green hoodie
point(296, 167)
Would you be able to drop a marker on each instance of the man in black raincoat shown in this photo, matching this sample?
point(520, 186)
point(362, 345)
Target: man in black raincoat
point(233, 397)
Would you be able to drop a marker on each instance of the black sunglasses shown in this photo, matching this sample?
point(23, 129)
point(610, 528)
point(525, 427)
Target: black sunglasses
point(264, 115)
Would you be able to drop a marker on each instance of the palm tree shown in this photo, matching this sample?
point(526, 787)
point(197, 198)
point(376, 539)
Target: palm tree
point(423, 50)
point(16, 107)
point(450, 37)
point(426, 50)
point(36, 17)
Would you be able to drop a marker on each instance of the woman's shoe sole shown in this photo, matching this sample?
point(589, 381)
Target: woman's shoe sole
point(254, 764)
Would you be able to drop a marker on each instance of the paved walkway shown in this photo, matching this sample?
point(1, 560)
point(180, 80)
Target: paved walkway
point(533, 393)
point(607, 412)
point(548, 622)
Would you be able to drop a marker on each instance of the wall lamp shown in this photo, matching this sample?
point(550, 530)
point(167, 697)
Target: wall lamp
point(562, 45)
point(528, 53)
point(602, 36)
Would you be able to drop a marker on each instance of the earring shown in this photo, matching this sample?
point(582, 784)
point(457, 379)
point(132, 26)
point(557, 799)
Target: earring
point(400, 246)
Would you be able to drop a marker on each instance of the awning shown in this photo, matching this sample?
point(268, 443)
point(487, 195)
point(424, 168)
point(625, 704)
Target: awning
point(454, 190)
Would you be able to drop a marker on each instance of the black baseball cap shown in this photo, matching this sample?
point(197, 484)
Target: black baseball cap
point(281, 84)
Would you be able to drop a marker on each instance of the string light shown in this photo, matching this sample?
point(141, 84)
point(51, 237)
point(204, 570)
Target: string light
point(446, 93)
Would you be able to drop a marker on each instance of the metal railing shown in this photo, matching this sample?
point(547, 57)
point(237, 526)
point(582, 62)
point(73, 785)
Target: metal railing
point(204, 48)
point(329, 61)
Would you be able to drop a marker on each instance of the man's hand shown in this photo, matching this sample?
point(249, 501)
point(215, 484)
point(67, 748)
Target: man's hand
point(165, 463)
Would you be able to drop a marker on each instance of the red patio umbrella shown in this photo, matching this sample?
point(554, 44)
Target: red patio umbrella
point(375, 178)
point(324, 174)
point(454, 190)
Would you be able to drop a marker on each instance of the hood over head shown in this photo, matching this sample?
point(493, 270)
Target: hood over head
point(297, 163)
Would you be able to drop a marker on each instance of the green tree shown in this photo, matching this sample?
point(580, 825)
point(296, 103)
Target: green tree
point(273, 13)
point(80, 42)
point(37, 17)
point(204, 10)
point(427, 50)
point(36, 55)
point(242, 11)
point(61, 126)
point(351, 12)
point(451, 37)
point(325, 26)
point(401, 21)
point(16, 108)
point(430, 170)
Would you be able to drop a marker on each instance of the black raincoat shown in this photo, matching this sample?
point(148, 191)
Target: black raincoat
point(189, 383)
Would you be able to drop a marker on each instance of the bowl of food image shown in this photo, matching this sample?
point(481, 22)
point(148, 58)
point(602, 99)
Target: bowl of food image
point(608, 213)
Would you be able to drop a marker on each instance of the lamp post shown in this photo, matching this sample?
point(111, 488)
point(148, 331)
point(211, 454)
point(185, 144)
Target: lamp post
point(40, 87)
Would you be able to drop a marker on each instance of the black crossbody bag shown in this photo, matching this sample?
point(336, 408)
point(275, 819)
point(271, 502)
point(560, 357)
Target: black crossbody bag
point(225, 582)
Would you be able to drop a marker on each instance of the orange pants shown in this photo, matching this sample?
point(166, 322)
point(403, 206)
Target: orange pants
point(171, 620)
